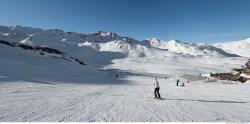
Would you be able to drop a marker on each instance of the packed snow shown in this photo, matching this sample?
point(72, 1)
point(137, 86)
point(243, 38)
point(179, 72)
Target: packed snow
point(117, 82)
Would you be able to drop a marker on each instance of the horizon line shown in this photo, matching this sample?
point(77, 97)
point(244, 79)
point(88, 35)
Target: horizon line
point(80, 32)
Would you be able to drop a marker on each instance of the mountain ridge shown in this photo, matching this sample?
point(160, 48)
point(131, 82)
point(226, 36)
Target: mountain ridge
point(106, 41)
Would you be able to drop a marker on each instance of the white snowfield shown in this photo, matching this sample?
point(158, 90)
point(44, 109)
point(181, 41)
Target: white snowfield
point(238, 47)
point(117, 83)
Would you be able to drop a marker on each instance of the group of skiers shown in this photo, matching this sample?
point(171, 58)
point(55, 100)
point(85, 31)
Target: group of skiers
point(157, 87)
point(182, 84)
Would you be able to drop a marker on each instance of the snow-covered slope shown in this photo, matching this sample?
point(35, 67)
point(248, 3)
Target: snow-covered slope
point(241, 48)
point(123, 46)
point(21, 62)
point(27, 41)
point(70, 42)
point(41, 79)
point(186, 48)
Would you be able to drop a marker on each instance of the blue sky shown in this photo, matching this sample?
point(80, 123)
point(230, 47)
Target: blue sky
point(187, 20)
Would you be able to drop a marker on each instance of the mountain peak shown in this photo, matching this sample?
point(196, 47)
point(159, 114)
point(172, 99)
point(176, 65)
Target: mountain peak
point(103, 40)
point(105, 34)
point(241, 47)
point(15, 26)
point(175, 41)
point(153, 39)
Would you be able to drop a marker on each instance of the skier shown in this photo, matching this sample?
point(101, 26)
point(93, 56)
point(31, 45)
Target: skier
point(177, 82)
point(157, 88)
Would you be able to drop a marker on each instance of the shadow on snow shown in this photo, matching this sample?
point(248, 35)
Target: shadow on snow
point(199, 100)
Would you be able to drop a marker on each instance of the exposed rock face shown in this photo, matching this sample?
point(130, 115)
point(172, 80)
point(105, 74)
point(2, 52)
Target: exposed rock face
point(7, 43)
point(47, 49)
point(42, 50)
point(26, 47)
point(248, 64)
point(238, 74)
point(247, 71)
point(228, 76)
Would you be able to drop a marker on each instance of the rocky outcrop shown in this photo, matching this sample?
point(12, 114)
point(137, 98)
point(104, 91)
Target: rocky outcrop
point(42, 51)
point(48, 50)
point(25, 47)
point(237, 74)
point(248, 64)
point(12, 44)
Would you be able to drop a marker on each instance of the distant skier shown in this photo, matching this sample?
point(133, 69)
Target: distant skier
point(157, 88)
point(177, 82)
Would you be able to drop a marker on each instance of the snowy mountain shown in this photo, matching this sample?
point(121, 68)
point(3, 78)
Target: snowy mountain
point(36, 63)
point(186, 48)
point(241, 48)
point(52, 75)
point(70, 42)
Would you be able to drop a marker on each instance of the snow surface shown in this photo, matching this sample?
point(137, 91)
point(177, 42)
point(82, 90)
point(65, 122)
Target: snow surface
point(118, 81)
point(185, 48)
point(27, 41)
point(238, 47)
point(5, 34)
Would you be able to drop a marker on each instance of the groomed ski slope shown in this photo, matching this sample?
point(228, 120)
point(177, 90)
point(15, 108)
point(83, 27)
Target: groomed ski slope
point(197, 101)
point(36, 87)
point(56, 90)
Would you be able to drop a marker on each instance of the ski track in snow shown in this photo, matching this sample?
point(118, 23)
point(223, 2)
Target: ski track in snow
point(36, 87)
point(122, 102)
